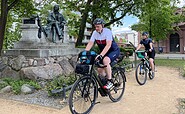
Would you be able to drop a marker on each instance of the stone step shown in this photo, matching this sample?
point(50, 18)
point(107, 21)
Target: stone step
point(34, 45)
point(41, 52)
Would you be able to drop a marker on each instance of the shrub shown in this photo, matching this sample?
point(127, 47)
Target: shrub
point(82, 46)
point(16, 84)
point(127, 51)
point(96, 49)
point(183, 71)
point(58, 83)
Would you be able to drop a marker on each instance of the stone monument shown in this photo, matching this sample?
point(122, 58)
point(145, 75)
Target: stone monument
point(30, 45)
point(55, 25)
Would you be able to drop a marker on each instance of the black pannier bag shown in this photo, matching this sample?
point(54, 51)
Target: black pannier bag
point(85, 58)
point(82, 69)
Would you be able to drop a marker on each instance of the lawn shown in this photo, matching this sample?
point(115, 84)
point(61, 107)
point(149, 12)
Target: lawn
point(170, 63)
point(175, 63)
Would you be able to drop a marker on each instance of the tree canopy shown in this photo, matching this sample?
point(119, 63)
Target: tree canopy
point(158, 18)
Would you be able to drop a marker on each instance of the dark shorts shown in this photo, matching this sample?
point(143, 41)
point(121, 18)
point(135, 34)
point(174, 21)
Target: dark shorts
point(151, 54)
point(113, 54)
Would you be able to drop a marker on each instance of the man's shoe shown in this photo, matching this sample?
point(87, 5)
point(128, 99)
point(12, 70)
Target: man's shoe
point(108, 85)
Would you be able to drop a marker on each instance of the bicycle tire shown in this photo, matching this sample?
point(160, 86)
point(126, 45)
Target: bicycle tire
point(141, 69)
point(118, 78)
point(82, 88)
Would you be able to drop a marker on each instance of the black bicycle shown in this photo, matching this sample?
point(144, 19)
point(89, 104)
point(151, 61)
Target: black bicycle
point(143, 68)
point(84, 92)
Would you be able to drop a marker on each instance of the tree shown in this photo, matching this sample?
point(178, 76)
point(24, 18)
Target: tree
point(106, 9)
point(112, 11)
point(158, 18)
point(23, 8)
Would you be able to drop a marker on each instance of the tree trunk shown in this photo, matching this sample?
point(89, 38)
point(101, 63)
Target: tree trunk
point(150, 31)
point(83, 24)
point(158, 46)
point(3, 20)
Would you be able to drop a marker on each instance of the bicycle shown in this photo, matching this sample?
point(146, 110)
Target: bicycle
point(143, 68)
point(84, 92)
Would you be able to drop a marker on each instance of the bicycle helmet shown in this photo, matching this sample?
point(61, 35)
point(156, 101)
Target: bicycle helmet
point(98, 21)
point(145, 34)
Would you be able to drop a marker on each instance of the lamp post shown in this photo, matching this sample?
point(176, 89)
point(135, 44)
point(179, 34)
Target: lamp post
point(135, 58)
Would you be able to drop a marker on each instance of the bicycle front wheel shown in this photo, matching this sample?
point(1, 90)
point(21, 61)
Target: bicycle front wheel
point(116, 93)
point(83, 95)
point(141, 74)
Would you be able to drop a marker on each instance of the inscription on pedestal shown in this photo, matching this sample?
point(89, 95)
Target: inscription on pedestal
point(29, 21)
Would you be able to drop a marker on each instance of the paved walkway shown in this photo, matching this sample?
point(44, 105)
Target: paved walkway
point(171, 56)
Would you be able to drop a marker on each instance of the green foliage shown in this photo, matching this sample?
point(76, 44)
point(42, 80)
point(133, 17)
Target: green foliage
point(22, 9)
point(58, 83)
point(183, 71)
point(116, 39)
point(11, 35)
point(82, 46)
point(3, 84)
point(127, 51)
point(157, 16)
point(16, 84)
point(126, 62)
point(96, 49)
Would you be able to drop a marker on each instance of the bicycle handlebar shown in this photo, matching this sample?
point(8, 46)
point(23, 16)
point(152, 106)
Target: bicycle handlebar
point(98, 64)
point(133, 45)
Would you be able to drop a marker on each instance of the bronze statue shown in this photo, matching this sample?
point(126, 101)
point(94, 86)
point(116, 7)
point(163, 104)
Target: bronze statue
point(55, 24)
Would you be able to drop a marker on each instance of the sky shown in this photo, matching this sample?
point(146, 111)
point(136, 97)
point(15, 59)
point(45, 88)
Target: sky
point(127, 22)
point(130, 20)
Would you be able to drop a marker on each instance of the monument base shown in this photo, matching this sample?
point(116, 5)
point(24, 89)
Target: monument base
point(42, 50)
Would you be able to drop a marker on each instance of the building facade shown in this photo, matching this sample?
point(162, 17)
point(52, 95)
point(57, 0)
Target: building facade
point(175, 42)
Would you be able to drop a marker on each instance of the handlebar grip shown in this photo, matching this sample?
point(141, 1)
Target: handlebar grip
point(97, 63)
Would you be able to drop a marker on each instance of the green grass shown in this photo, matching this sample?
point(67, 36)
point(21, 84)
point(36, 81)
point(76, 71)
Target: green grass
point(16, 84)
point(170, 63)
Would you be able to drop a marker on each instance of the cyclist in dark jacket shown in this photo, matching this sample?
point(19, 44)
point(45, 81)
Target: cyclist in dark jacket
point(148, 44)
point(108, 47)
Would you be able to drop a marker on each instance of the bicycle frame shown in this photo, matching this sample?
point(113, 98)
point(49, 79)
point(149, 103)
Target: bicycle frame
point(93, 74)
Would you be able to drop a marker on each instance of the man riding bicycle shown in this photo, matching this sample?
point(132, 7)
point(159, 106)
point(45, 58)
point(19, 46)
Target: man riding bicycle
point(148, 44)
point(109, 50)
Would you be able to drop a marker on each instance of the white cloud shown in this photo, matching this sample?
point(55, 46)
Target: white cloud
point(119, 30)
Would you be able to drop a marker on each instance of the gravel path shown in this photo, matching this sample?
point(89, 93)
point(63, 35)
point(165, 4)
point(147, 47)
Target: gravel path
point(158, 96)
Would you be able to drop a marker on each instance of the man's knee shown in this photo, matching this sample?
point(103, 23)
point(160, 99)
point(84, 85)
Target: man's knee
point(151, 60)
point(106, 60)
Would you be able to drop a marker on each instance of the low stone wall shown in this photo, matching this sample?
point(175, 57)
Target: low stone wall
point(37, 68)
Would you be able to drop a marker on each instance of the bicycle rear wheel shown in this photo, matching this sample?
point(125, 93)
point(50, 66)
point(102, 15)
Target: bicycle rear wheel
point(83, 95)
point(141, 74)
point(116, 93)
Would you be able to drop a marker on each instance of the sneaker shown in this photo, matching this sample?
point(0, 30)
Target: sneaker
point(108, 85)
point(153, 74)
